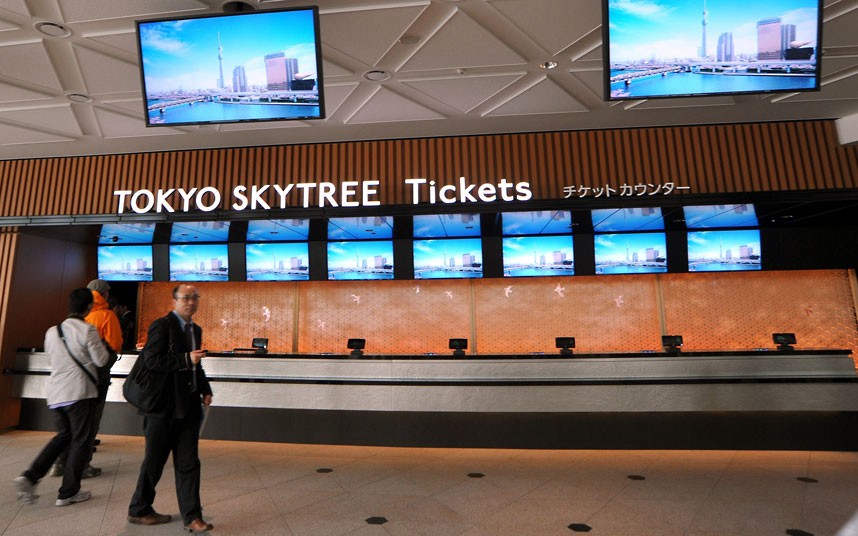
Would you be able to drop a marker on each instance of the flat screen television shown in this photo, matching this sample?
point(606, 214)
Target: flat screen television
point(724, 251)
point(278, 230)
point(537, 222)
point(360, 228)
point(232, 67)
point(613, 220)
point(126, 233)
point(683, 48)
point(277, 261)
point(530, 256)
point(631, 253)
point(715, 216)
point(360, 259)
point(446, 225)
point(199, 262)
point(125, 263)
point(450, 258)
point(199, 231)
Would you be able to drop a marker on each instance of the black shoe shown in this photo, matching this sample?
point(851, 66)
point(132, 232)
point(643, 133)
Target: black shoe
point(96, 441)
point(153, 518)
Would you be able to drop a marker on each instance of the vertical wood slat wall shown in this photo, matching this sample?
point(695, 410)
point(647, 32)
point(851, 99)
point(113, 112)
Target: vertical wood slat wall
point(708, 159)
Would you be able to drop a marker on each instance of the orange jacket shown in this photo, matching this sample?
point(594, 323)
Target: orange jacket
point(105, 322)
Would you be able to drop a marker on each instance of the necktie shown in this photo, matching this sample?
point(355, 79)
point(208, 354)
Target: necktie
point(189, 339)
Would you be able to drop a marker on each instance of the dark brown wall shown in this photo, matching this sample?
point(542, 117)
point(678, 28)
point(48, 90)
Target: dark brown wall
point(708, 159)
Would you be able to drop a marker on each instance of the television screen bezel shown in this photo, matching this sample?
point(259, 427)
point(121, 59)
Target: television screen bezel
point(606, 66)
point(314, 10)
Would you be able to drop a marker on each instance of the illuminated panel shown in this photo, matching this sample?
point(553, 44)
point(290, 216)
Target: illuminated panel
point(360, 259)
point(125, 263)
point(452, 258)
point(631, 253)
point(199, 262)
point(287, 261)
point(529, 256)
point(724, 251)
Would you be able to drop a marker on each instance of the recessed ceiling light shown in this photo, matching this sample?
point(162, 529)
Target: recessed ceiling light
point(548, 65)
point(52, 29)
point(377, 75)
point(78, 97)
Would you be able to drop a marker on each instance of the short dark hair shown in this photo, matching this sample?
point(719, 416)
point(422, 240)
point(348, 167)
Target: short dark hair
point(79, 300)
point(176, 290)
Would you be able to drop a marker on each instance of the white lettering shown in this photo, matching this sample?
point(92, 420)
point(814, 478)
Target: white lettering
point(348, 192)
point(442, 193)
point(186, 197)
point(256, 197)
point(326, 194)
point(283, 193)
point(465, 191)
point(122, 195)
point(306, 186)
point(487, 192)
point(215, 194)
point(238, 193)
point(369, 190)
point(415, 192)
point(150, 201)
point(504, 188)
point(162, 202)
point(523, 189)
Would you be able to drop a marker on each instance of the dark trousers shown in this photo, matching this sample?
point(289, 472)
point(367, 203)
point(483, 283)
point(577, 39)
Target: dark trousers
point(163, 436)
point(98, 411)
point(74, 424)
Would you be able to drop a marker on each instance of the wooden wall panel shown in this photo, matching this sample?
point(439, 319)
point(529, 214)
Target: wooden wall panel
point(708, 159)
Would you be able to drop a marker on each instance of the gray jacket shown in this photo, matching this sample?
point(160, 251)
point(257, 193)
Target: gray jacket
point(68, 383)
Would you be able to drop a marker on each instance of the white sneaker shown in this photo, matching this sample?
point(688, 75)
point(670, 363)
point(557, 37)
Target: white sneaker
point(80, 496)
point(26, 489)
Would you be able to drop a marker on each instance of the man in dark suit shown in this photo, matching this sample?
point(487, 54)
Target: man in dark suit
point(172, 348)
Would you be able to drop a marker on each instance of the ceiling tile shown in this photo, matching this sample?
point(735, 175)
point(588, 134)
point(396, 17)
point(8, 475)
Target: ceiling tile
point(11, 93)
point(56, 118)
point(378, 30)
point(28, 63)
point(386, 106)
point(543, 97)
point(463, 93)
point(95, 10)
point(462, 43)
point(15, 6)
point(105, 74)
point(116, 125)
point(553, 24)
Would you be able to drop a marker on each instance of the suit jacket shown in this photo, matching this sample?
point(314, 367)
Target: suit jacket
point(166, 352)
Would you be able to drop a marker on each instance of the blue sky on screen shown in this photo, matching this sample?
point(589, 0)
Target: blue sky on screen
point(537, 222)
point(627, 219)
point(271, 230)
point(116, 258)
point(710, 244)
point(433, 252)
point(126, 233)
point(620, 247)
point(189, 257)
point(528, 249)
point(184, 54)
point(347, 254)
point(446, 225)
point(264, 256)
point(707, 216)
point(644, 29)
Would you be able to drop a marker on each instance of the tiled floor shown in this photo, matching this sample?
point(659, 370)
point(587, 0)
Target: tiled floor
point(287, 489)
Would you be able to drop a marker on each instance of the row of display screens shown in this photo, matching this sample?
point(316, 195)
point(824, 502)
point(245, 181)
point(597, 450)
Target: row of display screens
point(716, 250)
point(535, 243)
point(542, 222)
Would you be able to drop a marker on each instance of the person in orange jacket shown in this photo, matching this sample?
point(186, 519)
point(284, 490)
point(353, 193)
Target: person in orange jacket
point(110, 331)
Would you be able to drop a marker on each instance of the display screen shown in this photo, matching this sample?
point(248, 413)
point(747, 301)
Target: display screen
point(529, 256)
point(277, 230)
point(235, 67)
point(683, 48)
point(724, 251)
point(360, 259)
point(448, 258)
point(709, 216)
point(537, 222)
point(446, 225)
point(126, 233)
point(125, 263)
point(360, 228)
point(631, 253)
point(269, 261)
point(612, 220)
point(199, 262)
point(199, 231)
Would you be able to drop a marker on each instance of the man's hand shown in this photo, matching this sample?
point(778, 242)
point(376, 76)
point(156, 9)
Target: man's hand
point(207, 400)
point(197, 356)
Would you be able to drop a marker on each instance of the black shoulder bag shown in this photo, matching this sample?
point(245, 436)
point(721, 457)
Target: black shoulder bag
point(89, 374)
point(143, 388)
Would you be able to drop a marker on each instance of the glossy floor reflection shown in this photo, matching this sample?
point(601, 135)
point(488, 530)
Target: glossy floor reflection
point(288, 489)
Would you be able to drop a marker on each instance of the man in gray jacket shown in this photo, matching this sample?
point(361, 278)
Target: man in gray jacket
point(75, 351)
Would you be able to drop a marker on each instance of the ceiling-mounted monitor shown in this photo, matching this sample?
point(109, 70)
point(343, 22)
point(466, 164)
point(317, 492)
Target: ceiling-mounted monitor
point(277, 261)
point(631, 253)
point(360, 259)
point(538, 222)
point(612, 220)
point(126, 233)
point(125, 263)
point(199, 262)
point(724, 251)
point(232, 68)
point(541, 255)
point(446, 225)
point(680, 48)
point(199, 231)
point(715, 216)
point(449, 258)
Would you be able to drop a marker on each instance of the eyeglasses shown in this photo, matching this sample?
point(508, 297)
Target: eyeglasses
point(190, 297)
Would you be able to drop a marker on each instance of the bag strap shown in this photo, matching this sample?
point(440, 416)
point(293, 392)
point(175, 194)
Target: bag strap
point(83, 368)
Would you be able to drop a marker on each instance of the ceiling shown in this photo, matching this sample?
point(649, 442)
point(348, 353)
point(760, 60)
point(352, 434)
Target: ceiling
point(458, 67)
